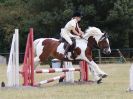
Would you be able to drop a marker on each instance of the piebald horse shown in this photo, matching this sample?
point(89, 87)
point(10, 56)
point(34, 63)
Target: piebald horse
point(93, 37)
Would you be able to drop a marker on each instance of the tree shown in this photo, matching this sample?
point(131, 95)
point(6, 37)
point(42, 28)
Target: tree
point(47, 17)
point(120, 21)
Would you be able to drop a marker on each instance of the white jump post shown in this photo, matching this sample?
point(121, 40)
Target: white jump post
point(131, 79)
point(13, 63)
point(69, 75)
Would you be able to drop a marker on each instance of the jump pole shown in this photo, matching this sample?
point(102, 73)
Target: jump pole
point(50, 80)
point(53, 70)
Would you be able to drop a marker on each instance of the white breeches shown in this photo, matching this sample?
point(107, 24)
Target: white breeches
point(67, 36)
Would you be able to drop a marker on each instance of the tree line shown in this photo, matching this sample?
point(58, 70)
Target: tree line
point(47, 17)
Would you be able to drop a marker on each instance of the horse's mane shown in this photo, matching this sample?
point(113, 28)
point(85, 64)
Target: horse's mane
point(91, 31)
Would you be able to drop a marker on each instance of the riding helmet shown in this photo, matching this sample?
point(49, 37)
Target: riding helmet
point(77, 14)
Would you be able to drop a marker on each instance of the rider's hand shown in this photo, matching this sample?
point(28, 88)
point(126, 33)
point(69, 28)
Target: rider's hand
point(81, 36)
point(82, 32)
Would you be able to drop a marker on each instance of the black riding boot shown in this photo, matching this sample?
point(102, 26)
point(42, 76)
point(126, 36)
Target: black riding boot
point(66, 49)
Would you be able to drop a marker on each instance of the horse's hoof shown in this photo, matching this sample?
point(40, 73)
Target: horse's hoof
point(61, 80)
point(129, 90)
point(103, 75)
point(2, 84)
point(99, 81)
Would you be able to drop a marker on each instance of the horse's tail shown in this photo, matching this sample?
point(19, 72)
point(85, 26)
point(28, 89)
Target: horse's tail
point(35, 46)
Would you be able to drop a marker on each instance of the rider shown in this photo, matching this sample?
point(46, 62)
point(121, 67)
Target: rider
point(71, 29)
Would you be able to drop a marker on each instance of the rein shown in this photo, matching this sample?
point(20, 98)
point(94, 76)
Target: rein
point(84, 39)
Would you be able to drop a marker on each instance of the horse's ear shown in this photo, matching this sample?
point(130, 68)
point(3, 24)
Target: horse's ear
point(106, 35)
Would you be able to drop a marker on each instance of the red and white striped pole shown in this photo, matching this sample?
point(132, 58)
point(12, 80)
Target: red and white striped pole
point(50, 80)
point(53, 70)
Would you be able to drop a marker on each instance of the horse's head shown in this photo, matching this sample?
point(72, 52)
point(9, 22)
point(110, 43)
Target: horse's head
point(103, 44)
point(100, 38)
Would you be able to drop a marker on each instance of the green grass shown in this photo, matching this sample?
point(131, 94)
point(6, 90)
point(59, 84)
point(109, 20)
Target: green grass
point(113, 87)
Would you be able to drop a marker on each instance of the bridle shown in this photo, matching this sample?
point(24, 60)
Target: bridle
point(105, 36)
point(101, 39)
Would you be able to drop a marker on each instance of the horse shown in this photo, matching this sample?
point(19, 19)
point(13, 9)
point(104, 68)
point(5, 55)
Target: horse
point(93, 37)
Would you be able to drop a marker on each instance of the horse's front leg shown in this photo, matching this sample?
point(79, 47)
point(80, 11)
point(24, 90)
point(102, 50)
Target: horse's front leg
point(97, 69)
point(97, 73)
point(92, 69)
point(93, 65)
point(96, 78)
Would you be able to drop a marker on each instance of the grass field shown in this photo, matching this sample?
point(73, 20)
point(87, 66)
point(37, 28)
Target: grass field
point(113, 87)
